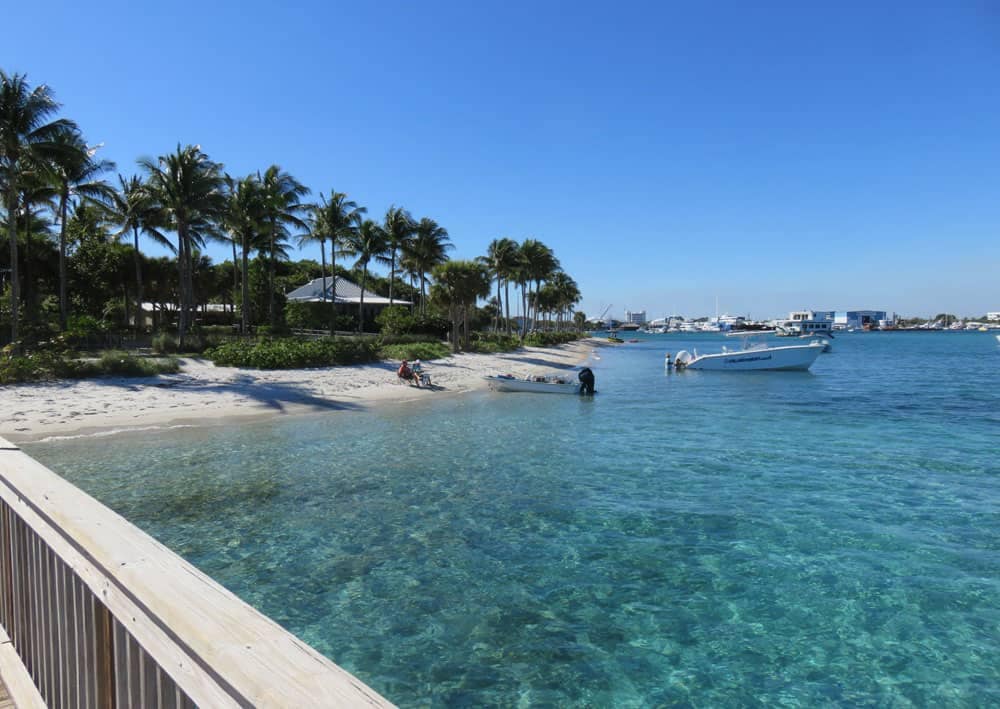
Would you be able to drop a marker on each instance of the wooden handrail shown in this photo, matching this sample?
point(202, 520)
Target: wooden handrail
point(103, 615)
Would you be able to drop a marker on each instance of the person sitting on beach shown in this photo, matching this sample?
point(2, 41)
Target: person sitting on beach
point(423, 378)
point(406, 374)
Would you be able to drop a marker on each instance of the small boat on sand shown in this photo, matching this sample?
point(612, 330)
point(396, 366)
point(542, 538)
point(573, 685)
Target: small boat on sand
point(536, 384)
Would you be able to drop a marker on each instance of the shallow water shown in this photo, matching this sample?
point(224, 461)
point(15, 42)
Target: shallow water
point(802, 539)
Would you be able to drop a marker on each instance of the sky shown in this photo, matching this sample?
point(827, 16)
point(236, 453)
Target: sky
point(772, 156)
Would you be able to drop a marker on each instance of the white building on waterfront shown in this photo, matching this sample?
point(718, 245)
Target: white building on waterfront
point(635, 317)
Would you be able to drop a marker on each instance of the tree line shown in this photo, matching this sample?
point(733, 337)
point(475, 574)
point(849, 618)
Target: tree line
point(58, 205)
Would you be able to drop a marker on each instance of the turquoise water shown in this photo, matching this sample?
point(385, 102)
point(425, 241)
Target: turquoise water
point(695, 538)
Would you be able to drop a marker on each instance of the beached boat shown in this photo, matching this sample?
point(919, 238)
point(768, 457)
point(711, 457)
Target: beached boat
point(537, 385)
point(752, 356)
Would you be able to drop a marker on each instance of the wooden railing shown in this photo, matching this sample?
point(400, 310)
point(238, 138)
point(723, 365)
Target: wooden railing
point(99, 614)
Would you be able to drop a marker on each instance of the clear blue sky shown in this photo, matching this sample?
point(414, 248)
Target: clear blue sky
point(776, 155)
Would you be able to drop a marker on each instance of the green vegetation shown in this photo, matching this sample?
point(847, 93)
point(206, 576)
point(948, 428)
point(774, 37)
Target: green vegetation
point(548, 339)
point(74, 266)
point(415, 350)
point(294, 354)
point(53, 361)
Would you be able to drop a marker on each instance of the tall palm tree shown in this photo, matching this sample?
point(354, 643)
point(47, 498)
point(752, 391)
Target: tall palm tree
point(244, 218)
point(27, 138)
point(283, 207)
point(398, 227)
point(458, 285)
point(367, 242)
point(502, 259)
point(74, 172)
point(186, 187)
point(131, 207)
point(539, 265)
point(424, 251)
point(337, 218)
point(37, 199)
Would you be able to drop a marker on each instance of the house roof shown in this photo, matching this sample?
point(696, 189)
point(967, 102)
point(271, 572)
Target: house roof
point(347, 292)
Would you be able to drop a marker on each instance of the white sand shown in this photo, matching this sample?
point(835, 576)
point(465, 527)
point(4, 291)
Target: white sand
point(203, 393)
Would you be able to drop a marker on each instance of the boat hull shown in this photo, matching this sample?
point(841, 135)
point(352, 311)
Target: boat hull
point(793, 358)
point(526, 385)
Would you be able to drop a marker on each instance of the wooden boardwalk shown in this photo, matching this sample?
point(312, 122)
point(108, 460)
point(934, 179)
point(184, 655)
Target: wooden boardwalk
point(5, 701)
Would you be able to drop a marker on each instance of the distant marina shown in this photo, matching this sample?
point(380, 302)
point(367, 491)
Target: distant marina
point(799, 322)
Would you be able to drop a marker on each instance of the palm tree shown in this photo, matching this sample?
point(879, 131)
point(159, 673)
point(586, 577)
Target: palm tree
point(539, 265)
point(398, 227)
point(367, 242)
point(244, 218)
point(186, 188)
point(27, 138)
point(131, 207)
point(458, 285)
point(35, 189)
point(336, 218)
point(282, 200)
point(502, 259)
point(73, 172)
point(426, 250)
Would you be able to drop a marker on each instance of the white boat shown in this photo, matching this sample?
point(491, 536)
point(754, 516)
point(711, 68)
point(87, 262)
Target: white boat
point(752, 356)
point(538, 385)
point(823, 340)
point(998, 339)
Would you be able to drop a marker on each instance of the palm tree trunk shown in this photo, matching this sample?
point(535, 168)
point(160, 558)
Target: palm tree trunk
point(392, 273)
point(245, 306)
point(423, 295)
point(138, 280)
point(333, 287)
point(322, 258)
point(270, 277)
point(496, 327)
point(15, 290)
point(236, 280)
point(506, 302)
point(182, 285)
point(361, 303)
point(63, 305)
point(31, 301)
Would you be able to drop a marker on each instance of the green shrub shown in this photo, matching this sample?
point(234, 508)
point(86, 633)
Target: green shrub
point(494, 342)
point(123, 364)
point(293, 354)
point(415, 350)
point(52, 361)
point(164, 343)
point(548, 339)
point(398, 320)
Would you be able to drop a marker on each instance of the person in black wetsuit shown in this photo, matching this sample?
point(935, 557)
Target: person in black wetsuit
point(586, 378)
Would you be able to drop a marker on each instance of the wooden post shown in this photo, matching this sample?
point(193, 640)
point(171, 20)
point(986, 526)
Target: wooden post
point(104, 632)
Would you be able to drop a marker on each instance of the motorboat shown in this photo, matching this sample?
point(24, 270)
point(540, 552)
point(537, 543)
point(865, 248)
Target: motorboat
point(536, 384)
point(752, 355)
point(821, 339)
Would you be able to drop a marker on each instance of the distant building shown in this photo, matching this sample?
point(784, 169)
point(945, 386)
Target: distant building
point(858, 319)
point(636, 318)
point(993, 316)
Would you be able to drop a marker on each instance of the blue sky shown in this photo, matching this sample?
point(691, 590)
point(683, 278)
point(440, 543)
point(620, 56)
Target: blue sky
point(776, 155)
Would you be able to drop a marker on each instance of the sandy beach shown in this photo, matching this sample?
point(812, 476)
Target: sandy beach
point(206, 394)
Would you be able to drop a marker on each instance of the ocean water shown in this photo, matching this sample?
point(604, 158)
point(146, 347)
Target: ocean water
point(829, 538)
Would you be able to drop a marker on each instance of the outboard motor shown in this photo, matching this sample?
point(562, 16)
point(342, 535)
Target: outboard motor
point(586, 378)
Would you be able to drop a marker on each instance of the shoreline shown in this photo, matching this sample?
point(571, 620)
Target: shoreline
point(202, 394)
